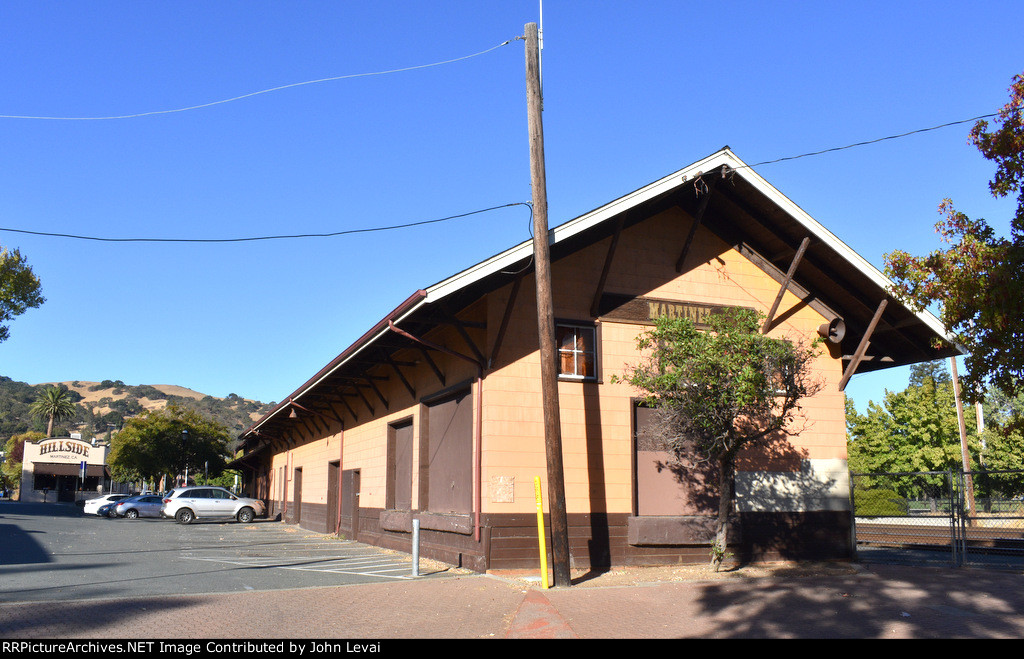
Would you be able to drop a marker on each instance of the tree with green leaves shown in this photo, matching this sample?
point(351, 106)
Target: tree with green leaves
point(1002, 442)
point(978, 282)
point(912, 430)
point(19, 288)
point(916, 430)
point(226, 479)
point(170, 441)
point(720, 391)
point(54, 404)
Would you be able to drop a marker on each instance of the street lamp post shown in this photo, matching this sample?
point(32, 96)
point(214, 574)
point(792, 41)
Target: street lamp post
point(184, 456)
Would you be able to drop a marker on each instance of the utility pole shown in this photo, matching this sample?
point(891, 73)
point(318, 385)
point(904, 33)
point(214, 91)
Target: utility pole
point(965, 456)
point(546, 317)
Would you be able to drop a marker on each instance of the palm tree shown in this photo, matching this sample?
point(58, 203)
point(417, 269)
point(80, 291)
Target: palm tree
point(54, 404)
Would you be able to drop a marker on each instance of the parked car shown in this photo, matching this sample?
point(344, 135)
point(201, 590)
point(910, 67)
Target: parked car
point(140, 506)
point(187, 504)
point(107, 509)
point(92, 506)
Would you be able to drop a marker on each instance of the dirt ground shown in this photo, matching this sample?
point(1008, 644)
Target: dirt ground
point(627, 576)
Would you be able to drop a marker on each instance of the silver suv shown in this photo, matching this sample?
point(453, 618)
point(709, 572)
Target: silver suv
point(187, 504)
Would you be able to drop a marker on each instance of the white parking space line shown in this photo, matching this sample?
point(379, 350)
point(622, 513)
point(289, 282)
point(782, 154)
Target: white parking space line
point(403, 568)
point(358, 564)
point(363, 573)
point(339, 566)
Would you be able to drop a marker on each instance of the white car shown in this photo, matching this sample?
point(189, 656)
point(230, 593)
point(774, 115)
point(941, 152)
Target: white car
point(187, 504)
point(92, 506)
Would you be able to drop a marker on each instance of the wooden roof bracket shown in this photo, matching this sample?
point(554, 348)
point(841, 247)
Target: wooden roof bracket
point(313, 429)
point(377, 391)
point(785, 284)
point(332, 396)
point(271, 439)
point(352, 389)
point(276, 440)
point(305, 424)
point(885, 359)
point(505, 318)
point(430, 362)
point(365, 401)
point(434, 346)
point(334, 413)
point(709, 188)
point(865, 341)
point(326, 418)
point(460, 327)
point(596, 303)
point(401, 376)
point(312, 426)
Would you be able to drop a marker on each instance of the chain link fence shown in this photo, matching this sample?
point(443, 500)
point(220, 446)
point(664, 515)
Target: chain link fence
point(948, 517)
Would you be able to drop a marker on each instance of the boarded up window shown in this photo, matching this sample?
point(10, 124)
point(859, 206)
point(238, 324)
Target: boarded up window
point(400, 461)
point(449, 454)
point(667, 483)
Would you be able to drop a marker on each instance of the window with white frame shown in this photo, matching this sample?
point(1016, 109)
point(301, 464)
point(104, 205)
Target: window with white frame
point(577, 351)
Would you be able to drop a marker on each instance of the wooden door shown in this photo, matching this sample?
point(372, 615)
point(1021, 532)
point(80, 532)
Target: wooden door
point(350, 502)
point(333, 474)
point(297, 509)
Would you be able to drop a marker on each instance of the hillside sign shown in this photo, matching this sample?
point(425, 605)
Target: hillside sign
point(64, 449)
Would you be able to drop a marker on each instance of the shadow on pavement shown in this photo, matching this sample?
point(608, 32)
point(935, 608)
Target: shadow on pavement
point(17, 546)
point(78, 619)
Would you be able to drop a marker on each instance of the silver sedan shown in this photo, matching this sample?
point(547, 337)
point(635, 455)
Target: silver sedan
point(147, 505)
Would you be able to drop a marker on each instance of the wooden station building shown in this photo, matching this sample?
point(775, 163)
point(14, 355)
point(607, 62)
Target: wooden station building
point(435, 412)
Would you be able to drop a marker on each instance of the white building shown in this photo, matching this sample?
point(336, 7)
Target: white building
point(63, 469)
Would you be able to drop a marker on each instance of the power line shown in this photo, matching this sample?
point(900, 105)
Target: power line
point(263, 91)
point(445, 219)
point(258, 238)
point(874, 141)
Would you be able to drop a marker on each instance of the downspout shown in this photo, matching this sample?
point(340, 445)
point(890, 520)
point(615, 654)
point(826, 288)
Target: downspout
point(284, 484)
point(478, 430)
point(477, 426)
point(341, 479)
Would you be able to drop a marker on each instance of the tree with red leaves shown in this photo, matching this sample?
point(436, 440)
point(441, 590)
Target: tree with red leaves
point(978, 281)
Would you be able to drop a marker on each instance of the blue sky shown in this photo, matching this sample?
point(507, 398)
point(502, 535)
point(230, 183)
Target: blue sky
point(633, 91)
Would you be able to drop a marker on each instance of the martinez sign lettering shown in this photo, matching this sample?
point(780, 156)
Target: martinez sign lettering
point(64, 448)
point(648, 310)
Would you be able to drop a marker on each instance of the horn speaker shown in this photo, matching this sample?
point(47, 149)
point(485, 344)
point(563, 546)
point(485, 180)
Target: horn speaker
point(833, 330)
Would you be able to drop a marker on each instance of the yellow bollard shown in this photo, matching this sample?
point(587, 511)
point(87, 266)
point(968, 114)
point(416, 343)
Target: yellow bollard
point(540, 533)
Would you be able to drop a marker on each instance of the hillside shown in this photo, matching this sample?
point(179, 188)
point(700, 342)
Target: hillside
point(102, 406)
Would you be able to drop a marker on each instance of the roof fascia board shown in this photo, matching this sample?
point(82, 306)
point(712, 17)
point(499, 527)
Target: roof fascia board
point(668, 184)
point(579, 224)
point(403, 311)
point(830, 239)
point(357, 348)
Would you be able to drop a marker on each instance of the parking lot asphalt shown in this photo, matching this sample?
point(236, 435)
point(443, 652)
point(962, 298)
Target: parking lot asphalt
point(52, 552)
point(784, 601)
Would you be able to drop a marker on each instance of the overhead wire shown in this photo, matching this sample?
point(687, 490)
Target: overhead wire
point(262, 91)
point(330, 234)
point(461, 215)
point(875, 141)
point(396, 226)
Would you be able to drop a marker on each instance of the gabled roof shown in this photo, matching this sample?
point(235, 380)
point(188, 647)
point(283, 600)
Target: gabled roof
point(742, 209)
